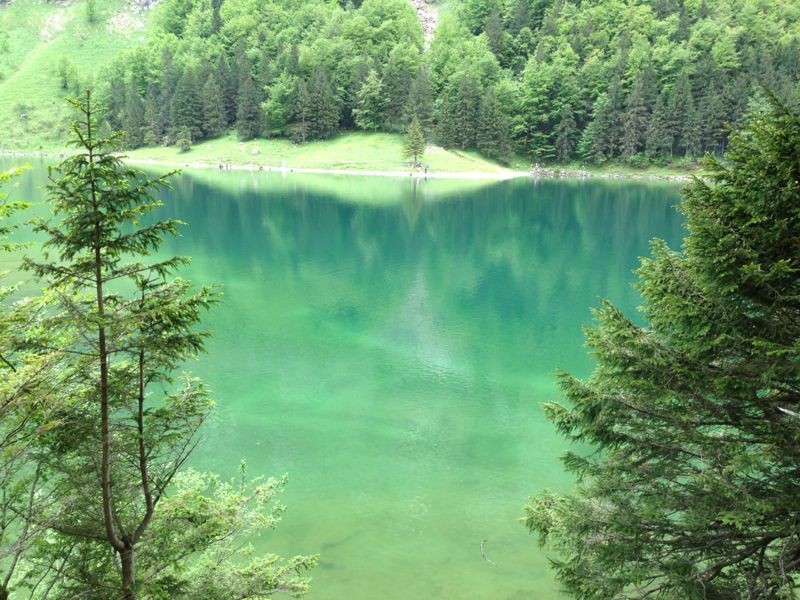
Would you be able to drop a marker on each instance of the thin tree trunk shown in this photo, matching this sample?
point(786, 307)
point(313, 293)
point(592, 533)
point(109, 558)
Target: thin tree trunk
point(125, 550)
point(105, 468)
point(128, 560)
point(145, 477)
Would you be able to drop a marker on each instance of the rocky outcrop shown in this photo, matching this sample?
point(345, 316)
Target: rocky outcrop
point(428, 17)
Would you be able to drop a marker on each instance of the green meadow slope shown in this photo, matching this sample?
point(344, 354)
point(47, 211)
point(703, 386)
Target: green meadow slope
point(41, 41)
point(353, 151)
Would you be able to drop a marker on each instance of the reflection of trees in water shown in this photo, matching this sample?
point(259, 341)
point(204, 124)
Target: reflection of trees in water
point(513, 252)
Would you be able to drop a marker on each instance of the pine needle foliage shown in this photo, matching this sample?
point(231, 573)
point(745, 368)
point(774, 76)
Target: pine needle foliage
point(690, 486)
point(127, 325)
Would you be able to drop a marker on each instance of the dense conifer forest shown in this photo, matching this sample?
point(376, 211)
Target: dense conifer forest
point(553, 80)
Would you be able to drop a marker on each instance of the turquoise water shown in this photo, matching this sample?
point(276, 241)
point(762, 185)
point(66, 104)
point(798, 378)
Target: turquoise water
point(388, 344)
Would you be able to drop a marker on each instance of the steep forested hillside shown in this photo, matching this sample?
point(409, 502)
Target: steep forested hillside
point(603, 79)
point(640, 81)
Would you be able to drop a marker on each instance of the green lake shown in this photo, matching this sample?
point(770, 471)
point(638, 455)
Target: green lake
point(388, 344)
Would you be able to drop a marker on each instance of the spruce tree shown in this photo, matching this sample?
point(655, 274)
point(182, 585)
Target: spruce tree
point(240, 70)
point(658, 140)
point(187, 105)
point(115, 514)
point(153, 124)
point(597, 142)
point(216, 18)
point(466, 110)
point(117, 451)
point(414, 146)
point(419, 103)
point(169, 81)
point(248, 111)
point(445, 125)
point(634, 119)
point(324, 105)
point(228, 86)
point(358, 76)
point(214, 117)
point(398, 75)
point(689, 427)
point(566, 132)
point(691, 129)
point(301, 112)
point(133, 117)
point(680, 105)
point(115, 107)
point(492, 134)
point(494, 32)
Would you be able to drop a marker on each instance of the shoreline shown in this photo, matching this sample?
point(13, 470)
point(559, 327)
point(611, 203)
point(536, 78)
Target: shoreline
point(535, 173)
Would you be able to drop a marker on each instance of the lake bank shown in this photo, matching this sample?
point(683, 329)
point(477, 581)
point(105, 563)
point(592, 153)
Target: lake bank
point(541, 172)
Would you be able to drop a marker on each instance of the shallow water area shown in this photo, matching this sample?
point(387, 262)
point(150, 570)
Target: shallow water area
point(389, 343)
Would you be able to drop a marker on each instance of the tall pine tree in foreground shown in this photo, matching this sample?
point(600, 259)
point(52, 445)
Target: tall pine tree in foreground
point(124, 521)
point(689, 486)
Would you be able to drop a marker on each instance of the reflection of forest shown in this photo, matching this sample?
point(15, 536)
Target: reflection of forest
point(519, 253)
point(516, 253)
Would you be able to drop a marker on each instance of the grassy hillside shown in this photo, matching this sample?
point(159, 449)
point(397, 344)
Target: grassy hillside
point(43, 37)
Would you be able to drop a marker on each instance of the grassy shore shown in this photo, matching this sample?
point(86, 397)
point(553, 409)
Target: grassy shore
point(355, 151)
point(361, 153)
point(375, 154)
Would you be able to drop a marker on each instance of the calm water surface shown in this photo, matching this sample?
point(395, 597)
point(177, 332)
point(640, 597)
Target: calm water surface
point(389, 344)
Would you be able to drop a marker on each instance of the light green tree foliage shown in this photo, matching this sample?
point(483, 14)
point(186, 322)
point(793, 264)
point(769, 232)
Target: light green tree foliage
point(34, 391)
point(199, 545)
point(23, 392)
point(689, 486)
point(371, 103)
point(277, 108)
